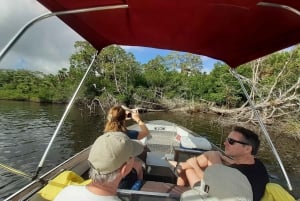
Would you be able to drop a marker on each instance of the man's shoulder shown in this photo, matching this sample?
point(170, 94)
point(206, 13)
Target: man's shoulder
point(257, 161)
point(74, 188)
point(259, 164)
point(80, 193)
point(256, 168)
point(70, 192)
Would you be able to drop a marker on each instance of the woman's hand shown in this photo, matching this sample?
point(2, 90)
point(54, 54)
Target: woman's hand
point(128, 115)
point(143, 128)
point(135, 116)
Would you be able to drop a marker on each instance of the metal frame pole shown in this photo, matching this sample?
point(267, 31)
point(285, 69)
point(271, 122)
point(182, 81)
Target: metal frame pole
point(263, 128)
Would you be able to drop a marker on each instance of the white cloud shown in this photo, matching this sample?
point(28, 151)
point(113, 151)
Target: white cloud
point(45, 47)
point(132, 48)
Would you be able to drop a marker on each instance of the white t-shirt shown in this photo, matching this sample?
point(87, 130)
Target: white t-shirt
point(81, 193)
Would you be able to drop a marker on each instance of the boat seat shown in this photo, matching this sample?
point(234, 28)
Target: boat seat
point(156, 159)
point(162, 187)
point(158, 169)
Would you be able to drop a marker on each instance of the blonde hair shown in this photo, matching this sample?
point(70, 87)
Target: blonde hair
point(115, 119)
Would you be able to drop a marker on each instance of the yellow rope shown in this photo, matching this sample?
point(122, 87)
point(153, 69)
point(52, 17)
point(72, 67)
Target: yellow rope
point(15, 171)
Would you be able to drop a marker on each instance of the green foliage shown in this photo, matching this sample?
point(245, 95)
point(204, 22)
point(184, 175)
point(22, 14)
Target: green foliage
point(155, 73)
point(33, 86)
point(116, 73)
point(183, 62)
point(221, 87)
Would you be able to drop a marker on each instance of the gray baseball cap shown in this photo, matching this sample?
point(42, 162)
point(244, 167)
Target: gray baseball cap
point(111, 150)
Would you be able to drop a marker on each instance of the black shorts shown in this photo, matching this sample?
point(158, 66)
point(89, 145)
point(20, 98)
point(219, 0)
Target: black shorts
point(128, 181)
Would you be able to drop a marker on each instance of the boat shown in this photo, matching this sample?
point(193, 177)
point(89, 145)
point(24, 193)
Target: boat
point(165, 141)
point(232, 31)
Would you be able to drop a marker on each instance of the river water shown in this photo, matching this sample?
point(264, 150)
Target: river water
point(26, 129)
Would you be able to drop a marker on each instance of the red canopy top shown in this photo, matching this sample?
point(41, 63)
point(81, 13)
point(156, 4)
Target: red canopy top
point(234, 31)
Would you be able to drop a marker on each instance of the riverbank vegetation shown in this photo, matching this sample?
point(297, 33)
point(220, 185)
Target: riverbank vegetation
point(171, 82)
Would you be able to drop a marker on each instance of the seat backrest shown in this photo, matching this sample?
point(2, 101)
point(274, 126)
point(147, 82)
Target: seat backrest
point(275, 192)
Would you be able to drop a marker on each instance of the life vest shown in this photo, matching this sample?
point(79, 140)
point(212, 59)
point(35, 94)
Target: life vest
point(51, 190)
point(275, 192)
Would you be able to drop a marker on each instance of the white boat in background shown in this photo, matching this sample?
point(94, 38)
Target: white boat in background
point(232, 31)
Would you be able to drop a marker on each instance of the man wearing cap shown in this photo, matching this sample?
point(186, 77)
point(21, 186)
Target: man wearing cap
point(241, 146)
point(110, 158)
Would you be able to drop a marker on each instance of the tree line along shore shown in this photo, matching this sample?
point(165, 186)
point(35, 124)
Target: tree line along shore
point(173, 82)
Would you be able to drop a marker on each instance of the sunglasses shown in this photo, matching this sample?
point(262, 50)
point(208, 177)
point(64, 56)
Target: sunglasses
point(233, 141)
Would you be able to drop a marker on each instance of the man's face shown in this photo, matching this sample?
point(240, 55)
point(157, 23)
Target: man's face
point(236, 145)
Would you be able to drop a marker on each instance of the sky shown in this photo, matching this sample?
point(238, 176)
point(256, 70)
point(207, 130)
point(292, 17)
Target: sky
point(47, 45)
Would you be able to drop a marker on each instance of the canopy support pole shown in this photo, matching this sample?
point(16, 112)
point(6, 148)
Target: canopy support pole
point(263, 128)
point(63, 118)
point(275, 5)
point(46, 15)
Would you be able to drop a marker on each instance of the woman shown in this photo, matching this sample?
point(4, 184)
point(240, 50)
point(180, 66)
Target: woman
point(116, 119)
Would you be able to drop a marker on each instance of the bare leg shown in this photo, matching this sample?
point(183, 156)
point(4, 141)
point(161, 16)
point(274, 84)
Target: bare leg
point(183, 165)
point(181, 179)
point(138, 166)
point(191, 171)
point(204, 160)
point(197, 169)
point(192, 177)
point(208, 158)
